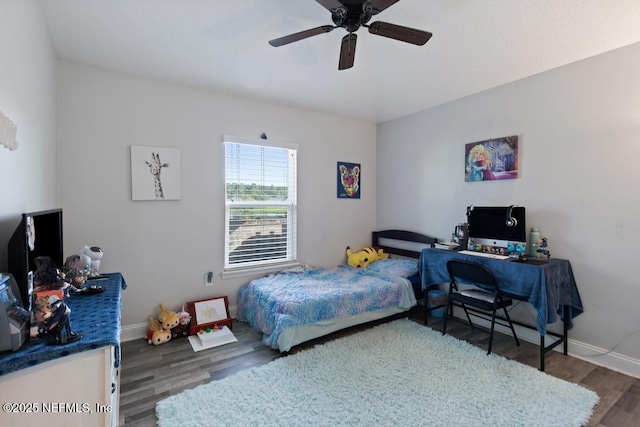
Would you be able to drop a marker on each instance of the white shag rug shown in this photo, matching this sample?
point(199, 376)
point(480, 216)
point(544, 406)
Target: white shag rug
point(396, 374)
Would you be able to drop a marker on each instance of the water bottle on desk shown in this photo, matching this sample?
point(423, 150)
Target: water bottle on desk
point(534, 242)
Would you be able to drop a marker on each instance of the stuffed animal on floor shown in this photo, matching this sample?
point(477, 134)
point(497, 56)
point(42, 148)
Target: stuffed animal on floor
point(168, 319)
point(156, 335)
point(364, 257)
point(184, 318)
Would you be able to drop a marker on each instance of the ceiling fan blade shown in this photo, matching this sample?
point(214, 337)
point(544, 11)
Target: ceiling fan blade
point(331, 5)
point(398, 32)
point(347, 51)
point(301, 35)
point(378, 6)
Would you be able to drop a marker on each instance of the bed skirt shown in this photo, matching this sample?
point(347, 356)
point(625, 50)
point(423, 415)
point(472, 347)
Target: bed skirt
point(291, 337)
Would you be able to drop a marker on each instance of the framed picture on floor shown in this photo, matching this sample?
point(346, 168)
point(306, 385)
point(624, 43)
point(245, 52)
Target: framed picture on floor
point(208, 313)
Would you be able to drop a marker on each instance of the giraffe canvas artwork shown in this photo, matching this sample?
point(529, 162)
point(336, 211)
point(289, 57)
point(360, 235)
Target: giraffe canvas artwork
point(155, 173)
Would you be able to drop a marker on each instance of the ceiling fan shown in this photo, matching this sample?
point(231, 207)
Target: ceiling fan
point(351, 15)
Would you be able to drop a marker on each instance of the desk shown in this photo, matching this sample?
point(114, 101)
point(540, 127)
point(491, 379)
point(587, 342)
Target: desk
point(81, 373)
point(550, 288)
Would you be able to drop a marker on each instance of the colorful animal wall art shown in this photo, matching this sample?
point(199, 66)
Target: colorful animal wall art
point(349, 178)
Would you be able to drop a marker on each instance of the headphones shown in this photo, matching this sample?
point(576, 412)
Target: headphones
point(511, 221)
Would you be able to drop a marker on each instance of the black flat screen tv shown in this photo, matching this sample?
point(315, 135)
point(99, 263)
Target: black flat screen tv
point(37, 234)
point(498, 226)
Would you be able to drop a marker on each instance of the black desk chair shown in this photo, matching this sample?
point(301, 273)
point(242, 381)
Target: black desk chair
point(483, 300)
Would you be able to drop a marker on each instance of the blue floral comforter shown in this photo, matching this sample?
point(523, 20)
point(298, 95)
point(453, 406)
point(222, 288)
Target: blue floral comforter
point(306, 295)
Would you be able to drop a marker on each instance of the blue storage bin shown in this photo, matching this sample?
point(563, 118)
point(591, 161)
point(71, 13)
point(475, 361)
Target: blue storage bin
point(437, 298)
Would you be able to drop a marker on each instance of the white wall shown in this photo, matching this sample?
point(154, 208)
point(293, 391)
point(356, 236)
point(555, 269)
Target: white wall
point(27, 97)
point(579, 129)
point(165, 248)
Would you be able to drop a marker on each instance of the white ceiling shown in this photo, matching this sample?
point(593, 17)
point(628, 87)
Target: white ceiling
point(222, 45)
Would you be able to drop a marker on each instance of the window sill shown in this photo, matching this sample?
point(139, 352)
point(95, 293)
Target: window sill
point(240, 272)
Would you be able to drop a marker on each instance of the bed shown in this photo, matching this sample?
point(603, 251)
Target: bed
point(303, 303)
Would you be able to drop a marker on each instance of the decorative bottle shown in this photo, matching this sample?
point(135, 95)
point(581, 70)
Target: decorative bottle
point(534, 242)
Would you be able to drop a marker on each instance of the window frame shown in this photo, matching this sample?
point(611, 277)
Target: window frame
point(290, 259)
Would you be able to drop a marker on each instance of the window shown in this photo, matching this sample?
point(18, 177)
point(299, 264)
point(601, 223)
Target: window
point(260, 203)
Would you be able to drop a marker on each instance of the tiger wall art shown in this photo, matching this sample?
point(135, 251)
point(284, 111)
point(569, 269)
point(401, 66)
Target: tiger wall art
point(349, 175)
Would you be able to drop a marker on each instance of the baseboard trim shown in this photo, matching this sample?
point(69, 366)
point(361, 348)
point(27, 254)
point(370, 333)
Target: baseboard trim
point(583, 351)
point(607, 359)
point(134, 332)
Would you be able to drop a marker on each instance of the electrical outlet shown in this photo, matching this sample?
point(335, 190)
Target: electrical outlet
point(208, 281)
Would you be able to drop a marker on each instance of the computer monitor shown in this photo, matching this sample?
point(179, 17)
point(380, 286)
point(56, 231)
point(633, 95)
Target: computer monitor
point(37, 234)
point(497, 227)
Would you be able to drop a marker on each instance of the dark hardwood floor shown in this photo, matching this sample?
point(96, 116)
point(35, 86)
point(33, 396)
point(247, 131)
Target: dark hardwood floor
point(151, 373)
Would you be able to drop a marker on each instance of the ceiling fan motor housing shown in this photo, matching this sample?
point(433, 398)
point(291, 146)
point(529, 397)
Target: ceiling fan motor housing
point(352, 16)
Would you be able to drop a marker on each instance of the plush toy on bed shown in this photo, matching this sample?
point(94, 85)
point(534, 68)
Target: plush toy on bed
point(364, 257)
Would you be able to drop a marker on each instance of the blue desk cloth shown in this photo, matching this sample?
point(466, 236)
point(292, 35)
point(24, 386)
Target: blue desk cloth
point(96, 317)
point(548, 287)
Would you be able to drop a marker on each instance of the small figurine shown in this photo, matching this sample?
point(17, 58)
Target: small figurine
point(184, 317)
point(95, 254)
point(50, 313)
point(77, 268)
point(47, 276)
point(544, 247)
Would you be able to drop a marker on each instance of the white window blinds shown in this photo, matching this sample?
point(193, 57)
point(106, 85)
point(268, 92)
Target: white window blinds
point(260, 203)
